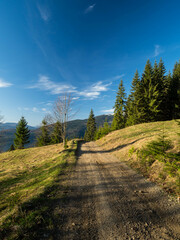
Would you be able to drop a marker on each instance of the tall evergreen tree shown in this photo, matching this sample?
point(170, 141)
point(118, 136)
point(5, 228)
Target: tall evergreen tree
point(148, 105)
point(119, 108)
point(91, 128)
point(166, 110)
point(163, 89)
point(56, 136)
point(175, 92)
point(22, 134)
point(44, 138)
point(132, 102)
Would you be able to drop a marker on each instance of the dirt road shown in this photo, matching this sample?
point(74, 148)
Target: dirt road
point(108, 200)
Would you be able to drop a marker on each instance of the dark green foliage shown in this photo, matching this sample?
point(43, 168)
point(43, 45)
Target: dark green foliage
point(56, 136)
point(148, 101)
point(22, 134)
point(102, 131)
point(44, 138)
point(158, 150)
point(132, 101)
point(91, 128)
point(12, 148)
point(119, 108)
point(175, 92)
point(154, 97)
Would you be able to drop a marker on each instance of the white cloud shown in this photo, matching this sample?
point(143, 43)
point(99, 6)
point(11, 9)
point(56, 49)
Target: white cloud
point(95, 90)
point(35, 109)
point(4, 84)
point(75, 98)
point(44, 83)
point(108, 111)
point(26, 109)
point(44, 12)
point(90, 8)
point(157, 50)
point(44, 109)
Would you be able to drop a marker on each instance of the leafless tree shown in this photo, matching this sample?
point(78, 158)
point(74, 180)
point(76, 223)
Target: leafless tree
point(62, 112)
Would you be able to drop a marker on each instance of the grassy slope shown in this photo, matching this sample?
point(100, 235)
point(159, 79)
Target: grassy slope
point(26, 178)
point(134, 138)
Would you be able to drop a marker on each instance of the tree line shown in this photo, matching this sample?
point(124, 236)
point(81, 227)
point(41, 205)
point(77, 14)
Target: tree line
point(154, 96)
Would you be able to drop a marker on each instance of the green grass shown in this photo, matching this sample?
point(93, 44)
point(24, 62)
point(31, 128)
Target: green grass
point(30, 190)
point(145, 148)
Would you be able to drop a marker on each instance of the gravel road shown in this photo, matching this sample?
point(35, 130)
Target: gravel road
point(108, 200)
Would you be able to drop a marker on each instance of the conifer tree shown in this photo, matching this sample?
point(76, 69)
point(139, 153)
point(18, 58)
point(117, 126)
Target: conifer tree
point(44, 138)
point(22, 134)
point(12, 147)
point(102, 131)
point(148, 104)
point(119, 108)
point(91, 128)
point(175, 92)
point(132, 101)
point(56, 136)
point(166, 110)
point(163, 88)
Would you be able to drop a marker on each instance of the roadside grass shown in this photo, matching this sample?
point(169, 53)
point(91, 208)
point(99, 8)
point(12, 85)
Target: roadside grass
point(153, 149)
point(29, 183)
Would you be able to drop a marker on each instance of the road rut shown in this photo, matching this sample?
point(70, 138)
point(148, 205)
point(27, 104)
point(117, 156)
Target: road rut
point(108, 200)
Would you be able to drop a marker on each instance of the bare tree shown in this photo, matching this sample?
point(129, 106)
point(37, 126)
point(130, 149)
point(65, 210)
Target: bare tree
point(62, 112)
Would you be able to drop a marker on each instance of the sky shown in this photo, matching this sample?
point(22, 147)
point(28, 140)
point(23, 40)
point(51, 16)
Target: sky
point(80, 47)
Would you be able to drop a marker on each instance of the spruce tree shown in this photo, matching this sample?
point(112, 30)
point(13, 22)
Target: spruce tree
point(91, 128)
point(163, 88)
point(148, 105)
point(132, 101)
point(166, 110)
point(175, 92)
point(56, 136)
point(22, 134)
point(44, 138)
point(119, 108)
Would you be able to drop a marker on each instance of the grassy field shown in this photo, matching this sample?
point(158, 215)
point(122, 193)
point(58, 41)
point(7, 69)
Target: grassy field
point(133, 143)
point(29, 179)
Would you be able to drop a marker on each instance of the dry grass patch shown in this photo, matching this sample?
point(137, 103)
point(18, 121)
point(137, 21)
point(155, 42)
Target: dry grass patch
point(25, 174)
point(126, 143)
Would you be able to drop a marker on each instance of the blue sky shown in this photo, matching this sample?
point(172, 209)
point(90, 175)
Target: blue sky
point(81, 47)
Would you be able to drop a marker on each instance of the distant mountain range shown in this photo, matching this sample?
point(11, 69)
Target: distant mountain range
point(75, 129)
point(8, 126)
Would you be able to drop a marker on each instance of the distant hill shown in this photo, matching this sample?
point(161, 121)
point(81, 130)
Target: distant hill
point(8, 126)
point(75, 129)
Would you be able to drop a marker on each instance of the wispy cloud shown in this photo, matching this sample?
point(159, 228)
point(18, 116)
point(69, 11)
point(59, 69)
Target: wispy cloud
point(4, 84)
point(75, 98)
point(108, 111)
point(157, 50)
point(95, 90)
point(44, 12)
point(44, 83)
point(117, 77)
point(89, 9)
point(35, 109)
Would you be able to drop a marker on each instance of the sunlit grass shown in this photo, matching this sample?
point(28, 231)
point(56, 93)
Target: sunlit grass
point(26, 174)
point(126, 143)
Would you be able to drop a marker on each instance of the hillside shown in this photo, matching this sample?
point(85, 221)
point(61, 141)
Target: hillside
point(75, 129)
point(51, 193)
point(27, 176)
point(126, 144)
